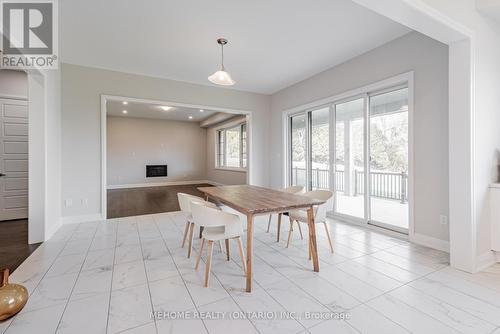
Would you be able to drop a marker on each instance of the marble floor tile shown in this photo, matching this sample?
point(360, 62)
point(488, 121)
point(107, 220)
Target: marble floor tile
point(472, 305)
point(367, 320)
point(170, 294)
point(92, 282)
point(87, 315)
point(226, 318)
point(144, 329)
point(444, 312)
point(99, 258)
point(109, 276)
point(333, 326)
point(128, 253)
point(355, 287)
point(51, 291)
point(129, 308)
point(297, 301)
point(67, 265)
point(128, 274)
point(181, 326)
point(42, 321)
point(408, 317)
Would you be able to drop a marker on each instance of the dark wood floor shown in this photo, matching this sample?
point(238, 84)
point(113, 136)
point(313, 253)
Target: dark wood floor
point(142, 201)
point(14, 248)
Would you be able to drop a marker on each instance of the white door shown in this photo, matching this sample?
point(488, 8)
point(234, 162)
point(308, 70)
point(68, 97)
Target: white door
point(13, 159)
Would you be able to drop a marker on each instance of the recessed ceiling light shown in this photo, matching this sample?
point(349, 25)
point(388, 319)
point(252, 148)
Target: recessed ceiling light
point(165, 108)
point(125, 102)
point(201, 110)
point(190, 117)
point(124, 111)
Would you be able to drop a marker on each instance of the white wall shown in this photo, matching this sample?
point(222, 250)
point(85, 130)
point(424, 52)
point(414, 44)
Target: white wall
point(13, 84)
point(44, 106)
point(81, 143)
point(486, 114)
point(220, 175)
point(133, 143)
point(429, 61)
point(53, 151)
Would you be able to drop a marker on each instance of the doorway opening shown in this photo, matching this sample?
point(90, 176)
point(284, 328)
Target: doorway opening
point(14, 246)
point(193, 145)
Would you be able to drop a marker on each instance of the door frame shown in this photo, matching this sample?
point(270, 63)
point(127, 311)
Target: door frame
point(409, 86)
point(406, 79)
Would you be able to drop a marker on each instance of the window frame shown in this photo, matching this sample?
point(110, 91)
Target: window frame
point(221, 158)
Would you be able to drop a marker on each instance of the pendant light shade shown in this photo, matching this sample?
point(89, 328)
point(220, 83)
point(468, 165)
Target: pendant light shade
point(222, 77)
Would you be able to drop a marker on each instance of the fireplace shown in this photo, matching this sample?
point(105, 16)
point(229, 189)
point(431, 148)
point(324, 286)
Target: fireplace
point(156, 170)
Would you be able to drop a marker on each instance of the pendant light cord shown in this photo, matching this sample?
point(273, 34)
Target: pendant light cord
point(222, 51)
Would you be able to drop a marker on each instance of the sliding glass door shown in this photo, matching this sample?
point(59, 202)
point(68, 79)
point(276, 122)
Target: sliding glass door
point(310, 149)
point(320, 149)
point(357, 147)
point(389, 159)
point(350, 157)
point(298, 150)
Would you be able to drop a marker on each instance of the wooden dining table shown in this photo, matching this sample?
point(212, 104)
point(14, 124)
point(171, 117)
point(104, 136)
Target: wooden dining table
point(253, 201)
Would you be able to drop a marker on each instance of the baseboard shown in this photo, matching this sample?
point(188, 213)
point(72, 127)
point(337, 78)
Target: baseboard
point(158, 184)
point(81, 219)
point(365, 226)
point(53, 230)
point(486, 260)
point(431, 242)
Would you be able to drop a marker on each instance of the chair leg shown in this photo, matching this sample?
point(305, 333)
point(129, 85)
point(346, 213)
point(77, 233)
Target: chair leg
point(279, 227)
point(269, 223)
point(290, 233)
point(209, 262)
point(220, 246)
point(228, 256)
point(186, 229)
point(190, 242)
point(328, 235)
point(309, 247)
point(199, 254)
point(300, 231)
point(242, 255)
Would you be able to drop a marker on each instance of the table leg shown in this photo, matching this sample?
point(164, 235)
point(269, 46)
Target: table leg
point(201, 227)
point(249, 252)
point(312, 238)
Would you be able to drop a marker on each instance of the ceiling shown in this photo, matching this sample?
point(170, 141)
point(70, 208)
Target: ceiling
point(155, 111)
point(272, 44)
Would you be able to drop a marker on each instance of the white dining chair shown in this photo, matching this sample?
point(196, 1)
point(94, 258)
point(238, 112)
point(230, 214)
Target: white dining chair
point(185, 201)
point(290, 190)
point(217, 225)
point(300, 216)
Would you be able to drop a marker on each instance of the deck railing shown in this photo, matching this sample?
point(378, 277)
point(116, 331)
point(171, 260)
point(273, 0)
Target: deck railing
point(388, 185)
point(383, 184)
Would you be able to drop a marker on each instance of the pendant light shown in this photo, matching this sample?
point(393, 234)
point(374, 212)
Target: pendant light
point(221, 77)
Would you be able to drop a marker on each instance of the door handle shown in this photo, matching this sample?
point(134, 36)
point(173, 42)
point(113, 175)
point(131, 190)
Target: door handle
point(2, 174)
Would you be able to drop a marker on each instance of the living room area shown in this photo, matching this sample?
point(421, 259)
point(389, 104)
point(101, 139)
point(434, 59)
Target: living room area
point(155, 150)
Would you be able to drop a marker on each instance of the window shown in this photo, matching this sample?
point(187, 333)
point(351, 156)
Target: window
point(232, 147)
